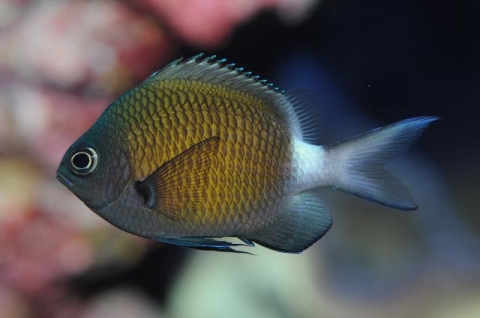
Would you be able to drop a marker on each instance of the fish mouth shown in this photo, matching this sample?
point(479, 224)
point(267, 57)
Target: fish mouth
point(64, 180)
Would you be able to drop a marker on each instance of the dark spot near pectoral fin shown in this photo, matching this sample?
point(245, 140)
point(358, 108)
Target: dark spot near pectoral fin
point(146, 192)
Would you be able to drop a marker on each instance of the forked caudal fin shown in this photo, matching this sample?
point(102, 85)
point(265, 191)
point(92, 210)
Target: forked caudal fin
point(356, 165)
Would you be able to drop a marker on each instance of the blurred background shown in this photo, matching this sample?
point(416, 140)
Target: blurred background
point(370, 62)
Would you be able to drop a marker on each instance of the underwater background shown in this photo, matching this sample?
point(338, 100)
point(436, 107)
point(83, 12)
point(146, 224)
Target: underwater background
point(370, 62)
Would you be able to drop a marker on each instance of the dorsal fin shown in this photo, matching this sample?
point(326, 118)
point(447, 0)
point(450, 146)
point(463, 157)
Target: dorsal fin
point(307, 107)
point(217, 71)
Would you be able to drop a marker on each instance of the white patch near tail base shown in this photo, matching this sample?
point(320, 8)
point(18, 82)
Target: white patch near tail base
point(309, 166)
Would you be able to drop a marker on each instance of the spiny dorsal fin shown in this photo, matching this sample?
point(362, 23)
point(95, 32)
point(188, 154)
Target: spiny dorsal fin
point(218, 71)
point(213, 70)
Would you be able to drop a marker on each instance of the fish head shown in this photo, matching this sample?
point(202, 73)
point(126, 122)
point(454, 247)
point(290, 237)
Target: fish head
point(95, 171)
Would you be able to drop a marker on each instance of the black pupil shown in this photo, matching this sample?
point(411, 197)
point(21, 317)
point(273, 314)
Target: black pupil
point(81, 160)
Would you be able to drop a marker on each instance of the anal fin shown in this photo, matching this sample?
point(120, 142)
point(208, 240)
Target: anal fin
point(302, 222)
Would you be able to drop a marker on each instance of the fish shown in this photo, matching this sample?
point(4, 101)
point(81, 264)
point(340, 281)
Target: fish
point(202, 151)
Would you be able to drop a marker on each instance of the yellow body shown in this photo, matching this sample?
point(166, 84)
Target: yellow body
point(247, 180)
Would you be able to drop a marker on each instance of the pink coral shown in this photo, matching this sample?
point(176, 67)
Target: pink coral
point(209, 22)
point(100, 45)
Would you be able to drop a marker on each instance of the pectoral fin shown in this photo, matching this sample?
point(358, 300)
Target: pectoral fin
point(178, 186)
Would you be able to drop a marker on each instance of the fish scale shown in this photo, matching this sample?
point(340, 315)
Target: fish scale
point(216, 116)
point(202, 150)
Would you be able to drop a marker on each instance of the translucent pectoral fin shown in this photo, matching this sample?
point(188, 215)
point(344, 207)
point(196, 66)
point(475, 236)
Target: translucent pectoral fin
point(302, 222)
point(178, 187)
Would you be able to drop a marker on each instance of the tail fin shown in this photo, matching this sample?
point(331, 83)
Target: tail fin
point(357, 164)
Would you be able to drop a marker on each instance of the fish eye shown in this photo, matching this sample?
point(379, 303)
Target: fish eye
point(83, 161)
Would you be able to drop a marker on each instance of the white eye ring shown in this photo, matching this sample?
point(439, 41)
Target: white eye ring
point(83, 161)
